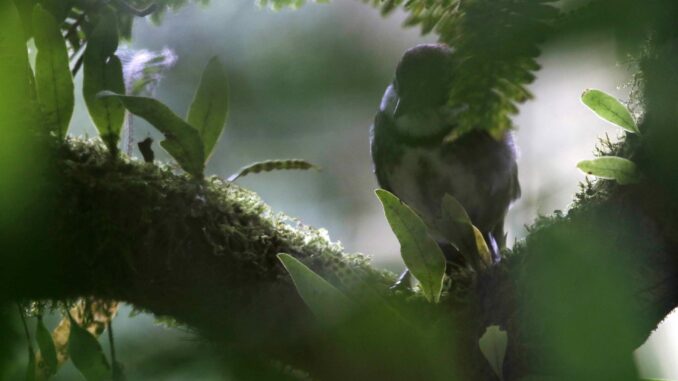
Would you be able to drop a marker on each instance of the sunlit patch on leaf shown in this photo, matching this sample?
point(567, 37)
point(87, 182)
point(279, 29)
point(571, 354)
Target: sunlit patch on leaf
point(481, 245)
point(610, 109)
point(624, 171)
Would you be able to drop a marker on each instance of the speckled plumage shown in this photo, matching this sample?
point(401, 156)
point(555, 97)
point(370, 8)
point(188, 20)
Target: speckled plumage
point(412, 161)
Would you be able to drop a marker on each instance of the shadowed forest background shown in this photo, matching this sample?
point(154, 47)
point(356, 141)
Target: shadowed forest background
point(306, 83)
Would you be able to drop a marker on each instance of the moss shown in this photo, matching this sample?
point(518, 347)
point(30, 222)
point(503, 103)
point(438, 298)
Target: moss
point(175, 215)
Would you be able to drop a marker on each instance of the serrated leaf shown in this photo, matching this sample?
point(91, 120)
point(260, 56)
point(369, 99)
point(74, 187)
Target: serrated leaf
point(87, 354)
point(30, 367)
point(209, 109)
point(54, 82)
point(273, 165)
point(493, 346)
point(624, 171)
point(420, 252)
point(103, 71)
point(182, 141)
point(610, 109)
point(47, 347)
point(325, 301)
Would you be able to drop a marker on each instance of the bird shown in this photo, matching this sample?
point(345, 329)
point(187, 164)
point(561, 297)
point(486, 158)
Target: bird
point(413, 159)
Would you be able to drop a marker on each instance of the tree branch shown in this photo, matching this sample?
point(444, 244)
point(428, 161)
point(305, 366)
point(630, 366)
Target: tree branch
point(205, 254)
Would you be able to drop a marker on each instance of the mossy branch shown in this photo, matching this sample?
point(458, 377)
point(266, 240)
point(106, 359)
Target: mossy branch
point(205, 254)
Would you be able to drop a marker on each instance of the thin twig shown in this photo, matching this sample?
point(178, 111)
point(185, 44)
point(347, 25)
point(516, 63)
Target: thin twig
point(23, 321)
point(109, 325)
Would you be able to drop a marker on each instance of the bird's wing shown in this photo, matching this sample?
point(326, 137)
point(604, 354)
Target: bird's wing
point(380, 147)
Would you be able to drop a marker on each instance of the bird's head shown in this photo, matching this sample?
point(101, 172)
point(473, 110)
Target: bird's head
point(422, 79)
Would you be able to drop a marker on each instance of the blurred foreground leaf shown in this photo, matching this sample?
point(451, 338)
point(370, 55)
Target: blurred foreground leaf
point(420, 252)
point(610, 109)
point(86, 353)
point(54, 82)
point(209, 109)
point(493, 346)
point(325, 301)
point(622, 170)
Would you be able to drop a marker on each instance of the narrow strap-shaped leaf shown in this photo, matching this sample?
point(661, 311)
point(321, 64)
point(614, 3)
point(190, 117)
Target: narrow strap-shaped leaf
point(493, 345)
point(182, 141)
point(209, 109)
point(610, 109)
point(420, 252)
point(47, 347)
point(273, 165)
point(103, 71)
point(25, 8)
point(87, 354)
point(624, 171)
point(54, 82)
point(325, 301)
point(481, 245)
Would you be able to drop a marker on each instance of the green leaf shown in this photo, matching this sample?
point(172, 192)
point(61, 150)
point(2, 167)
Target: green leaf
point(15, 74)
point(54, 82)
point(610, 109)
point(103, 71)
point(325, 301)
point(181, 140)
point(493, 346)
point(624, 171)
point(273, 165)
point(421, 254)
point(455, 225)
point(209, 109)
point(481, 245)
point(25, 8)
point(46, 345)
point(58, 8)
point(30, 368)
point(86, 353)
